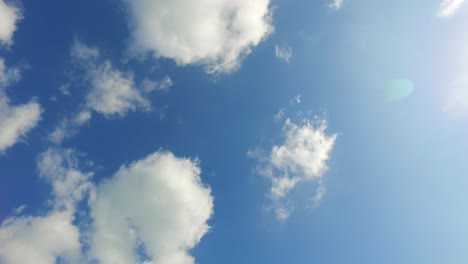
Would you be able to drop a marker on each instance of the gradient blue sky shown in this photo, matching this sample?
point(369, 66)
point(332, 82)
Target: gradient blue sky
point(389, 77)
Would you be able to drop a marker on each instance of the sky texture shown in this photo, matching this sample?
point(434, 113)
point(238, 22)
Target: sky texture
point(233, 131)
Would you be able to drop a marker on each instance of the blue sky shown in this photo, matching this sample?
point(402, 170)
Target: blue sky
point(266, 131)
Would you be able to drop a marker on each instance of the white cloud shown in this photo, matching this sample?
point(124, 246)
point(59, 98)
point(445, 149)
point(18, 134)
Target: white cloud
point(302, 157)
point(64, 89)
point(158, 203)
point(20, 209)
point(45, 239)
point(283, 53)
point(281, 186)
point(68, 127)
point(281, 113)
point(282, 213)
point(10, 14)
point(82, 118)
point(150, 86)
point(297, 99)
point(15, 121)
point(39, 240)
point(217, 34)
point(61, 132)
point(336, 4)
point(321, 190)
point(83, 53)
point(448, 7)
point(113, 92)
point(59, 167)
point(304, 154)
point(8, 75)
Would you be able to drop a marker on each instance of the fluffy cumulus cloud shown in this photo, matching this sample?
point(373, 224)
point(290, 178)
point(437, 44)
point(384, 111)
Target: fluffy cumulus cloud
point(283, 53)
point(302, 157)
point(158, 205)
point(151, 211)
point(15, 120)
point(448, 7)
point(217, 34)
point(53, 236)
point(10, 14)
point(39, 240)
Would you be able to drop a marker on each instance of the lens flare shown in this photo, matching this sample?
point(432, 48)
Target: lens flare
point(397, 90)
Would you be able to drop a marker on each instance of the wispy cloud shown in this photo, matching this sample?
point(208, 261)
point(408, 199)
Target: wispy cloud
point(297, 99)
point(112, 92)
point(151, 85)
point(281, 113)
point(321, 190)
point(68, 127)
point(448, 7)
point(15, 120)
point(283, 53)
point(336, 4)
